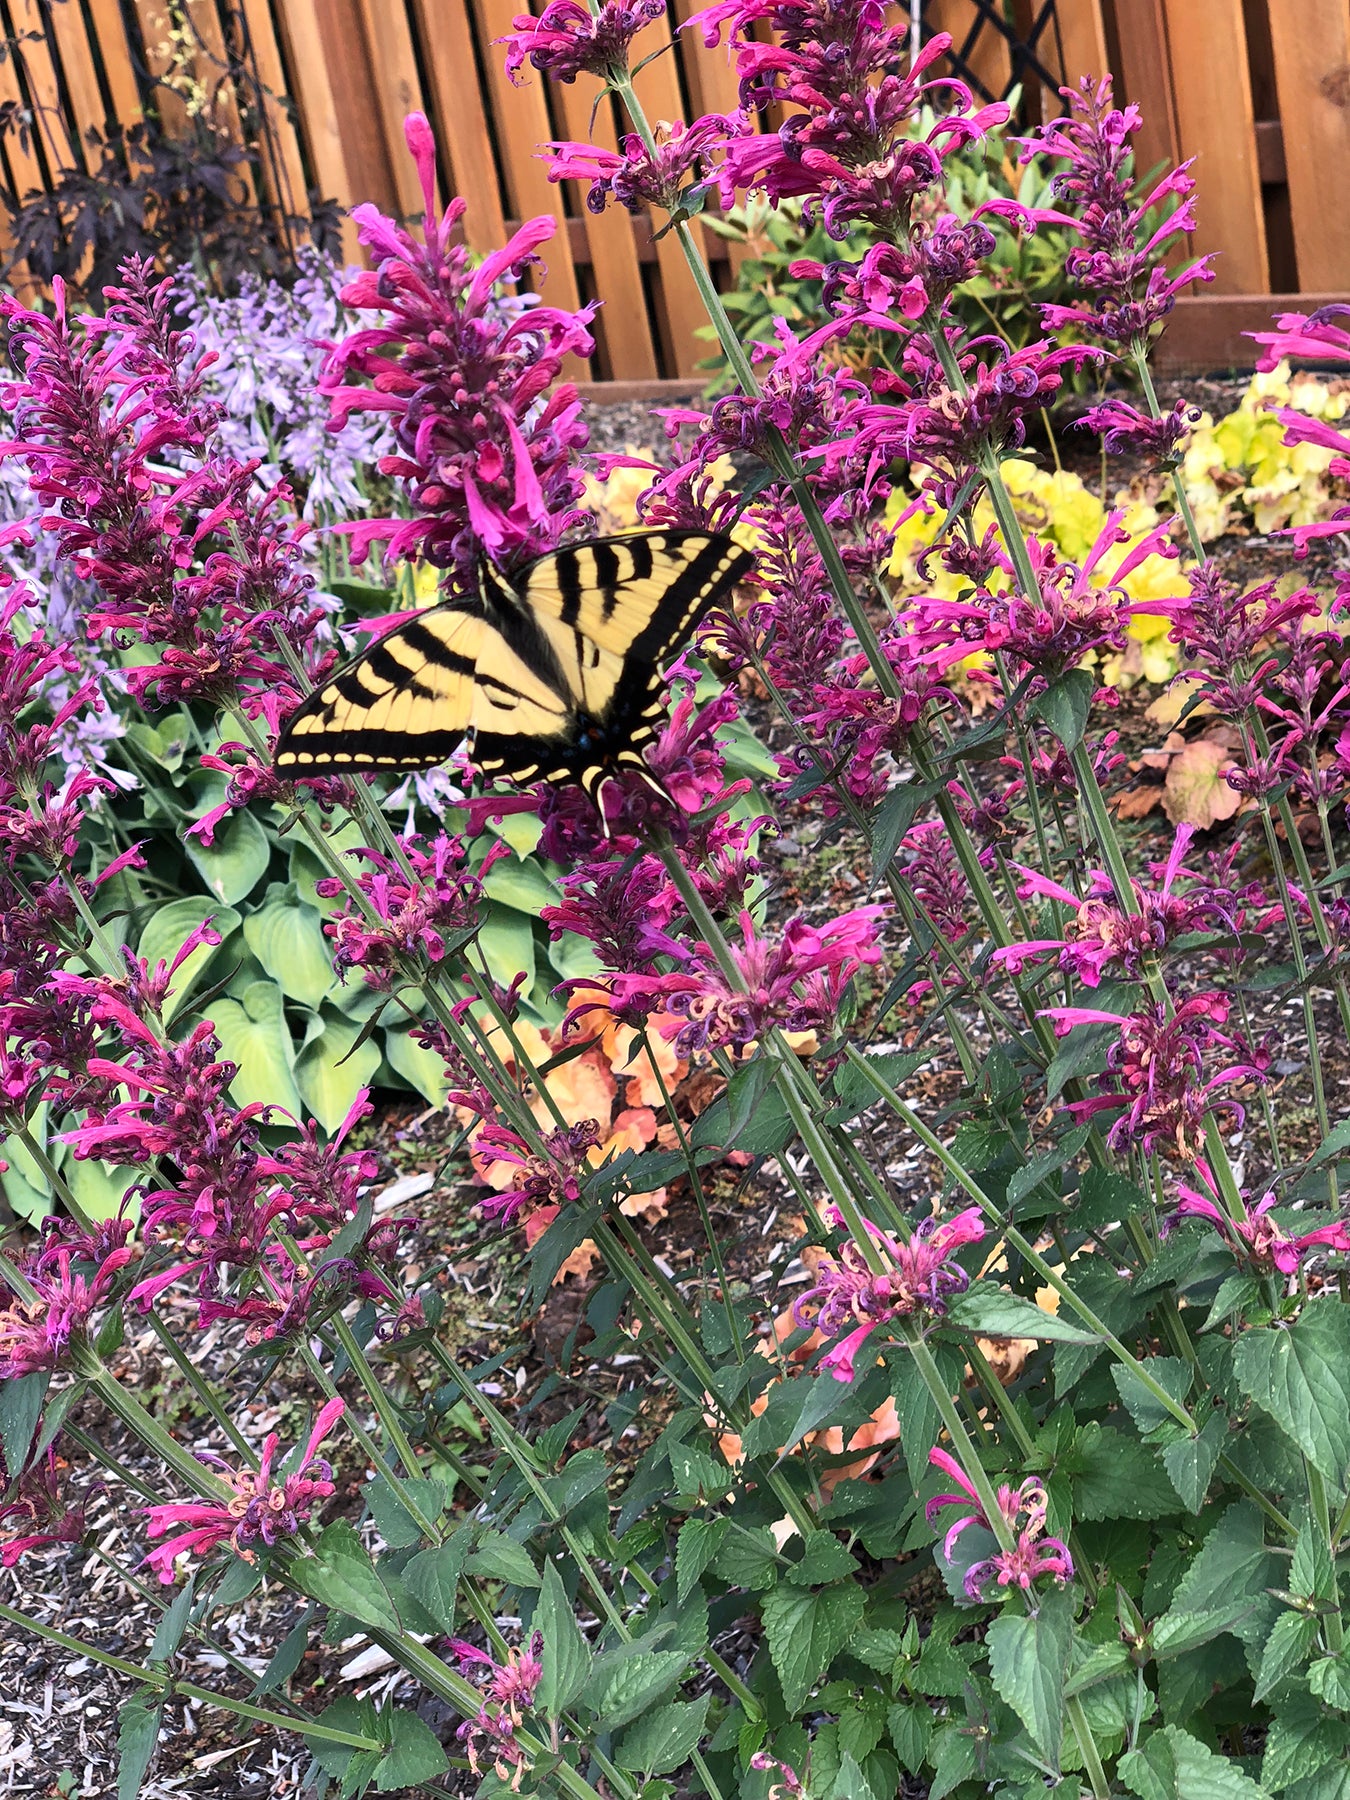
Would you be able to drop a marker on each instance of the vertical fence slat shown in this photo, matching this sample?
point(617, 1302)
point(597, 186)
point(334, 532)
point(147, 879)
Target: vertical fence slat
point(521, 116)
point(1146, 81)
point(211, 65)
point(658, 88)
point(398, 91)
point(989, 60)
point(622, 321)
point(317, 109)
point(77, 62)
point(1208, 53)
point(155, 23)
point(118, 68)
point(1311, 42)
point(458, 108)
point(43, 86)
point(283, 165)
point(1075, 45)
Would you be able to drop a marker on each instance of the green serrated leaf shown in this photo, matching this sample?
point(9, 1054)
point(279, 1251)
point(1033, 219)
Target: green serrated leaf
point(414, 1752)
point(1148, 1412)
point(1065, 705)
point(503, 1559)
point(1172, 1765)
point(290, 1653)
point(993, 1312)
point(1329, 1679)
point(698, 1544)
point(1286, 1650)
point(1302, 1740)
point(1028, 1657)
point(390, 1504)
point(341, 1574)
point(21, 1399)
point(632, 1683)
point(172, 1625)
point(1190, 1463)
point(805, 1632)
point(1301, 1377)
point(432, 1577)
point(665, 1739)
point(566, 1656)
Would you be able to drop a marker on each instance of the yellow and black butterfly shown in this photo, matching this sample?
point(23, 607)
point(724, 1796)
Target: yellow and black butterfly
point(556, 679)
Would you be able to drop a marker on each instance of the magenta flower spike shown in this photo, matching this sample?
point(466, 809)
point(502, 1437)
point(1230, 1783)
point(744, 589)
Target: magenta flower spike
point(263, 1511)
point(485, 432)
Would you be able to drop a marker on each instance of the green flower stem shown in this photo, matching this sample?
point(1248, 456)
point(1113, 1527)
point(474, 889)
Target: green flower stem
point(55, 1180)
point(1139, 357)
point(991, 1211)
point(700, 1199)
point(203, 1390)
point(244, 1709)
point(1319, 1513)
point(649, 1286)
point(780, 454)
point(1087, 1745)
point(440, 1679)
point(148, 1429)
point(522, 1457)
point(1054, 1279)
point(962, 1444)
point(133, 1671)
point(368, 1445)
point(99, 1454)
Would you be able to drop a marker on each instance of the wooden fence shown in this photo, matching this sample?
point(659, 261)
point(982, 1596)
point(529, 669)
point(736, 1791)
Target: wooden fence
point(1258, 91)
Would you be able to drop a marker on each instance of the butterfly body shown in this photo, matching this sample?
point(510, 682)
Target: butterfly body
point(556, 679)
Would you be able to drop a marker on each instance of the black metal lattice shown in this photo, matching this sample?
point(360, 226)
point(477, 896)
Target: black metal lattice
point(1023, 46)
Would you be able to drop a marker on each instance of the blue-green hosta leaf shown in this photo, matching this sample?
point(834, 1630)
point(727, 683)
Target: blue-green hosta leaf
point(421, 1068)
point(169, 928)
point(234, 864)
point(288, 940)
point(253, 1034)
point(333, 1067)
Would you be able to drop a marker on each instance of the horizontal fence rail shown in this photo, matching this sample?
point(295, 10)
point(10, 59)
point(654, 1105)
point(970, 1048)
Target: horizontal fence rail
point(1257, 91)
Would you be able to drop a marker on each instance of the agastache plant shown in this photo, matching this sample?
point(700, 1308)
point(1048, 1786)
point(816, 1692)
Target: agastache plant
point(1000, 1052)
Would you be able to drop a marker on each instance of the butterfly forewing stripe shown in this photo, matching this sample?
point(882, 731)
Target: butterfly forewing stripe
point(426, 643)
point(705, 577)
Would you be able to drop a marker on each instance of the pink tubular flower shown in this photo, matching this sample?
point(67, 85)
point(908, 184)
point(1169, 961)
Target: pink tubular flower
point(552, 1179)
point(261, 1510)
point(844, 145)
point(428, 912)
point(1023, 1510)
point(1258, 1240)
point(636, 176)
point(918, 1279)
point(36, 1333)
point(796, 982)
point(38, 1514)
point(569, 38)
point(1125, 431)
point(1161, 1062)
point(484, 431)
point(1119, 261)
point(508, 1690)
point(1101, 938)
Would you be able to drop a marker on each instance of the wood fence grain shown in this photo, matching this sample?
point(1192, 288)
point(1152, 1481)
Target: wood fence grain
point(323, 87)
